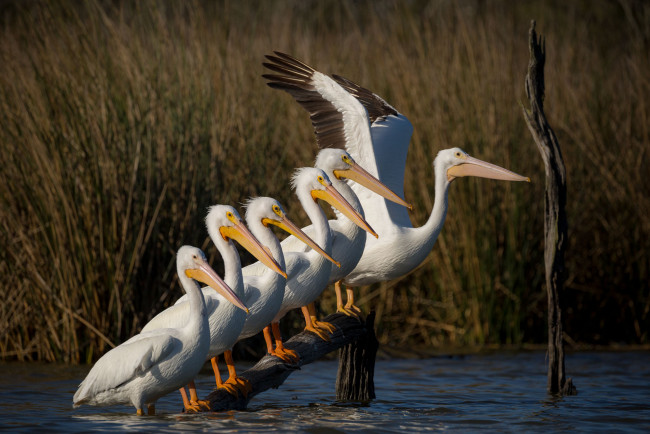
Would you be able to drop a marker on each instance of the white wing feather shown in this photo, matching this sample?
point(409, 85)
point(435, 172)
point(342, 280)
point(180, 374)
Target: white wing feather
point(341, 113)
point(390, 142)
point(126, 362)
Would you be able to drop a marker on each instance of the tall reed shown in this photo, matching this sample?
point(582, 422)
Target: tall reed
point(122, 122)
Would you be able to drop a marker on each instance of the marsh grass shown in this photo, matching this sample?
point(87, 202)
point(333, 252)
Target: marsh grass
point(122, 122)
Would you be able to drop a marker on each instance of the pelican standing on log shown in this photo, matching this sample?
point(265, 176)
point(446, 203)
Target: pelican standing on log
point(226, 321)
point(152, 364)
point(309, 271)
point(377, 136)
point(264, 289)
point(348, 239)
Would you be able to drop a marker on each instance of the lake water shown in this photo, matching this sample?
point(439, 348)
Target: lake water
point(496, 392)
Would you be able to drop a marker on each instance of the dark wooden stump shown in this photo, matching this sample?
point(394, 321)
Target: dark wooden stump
point(355, 377)
point(270, 371)
point(555, 221)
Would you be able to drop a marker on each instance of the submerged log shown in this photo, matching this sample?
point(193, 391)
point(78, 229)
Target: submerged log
point(555, 221)
point(270, 371)
point(355, 377)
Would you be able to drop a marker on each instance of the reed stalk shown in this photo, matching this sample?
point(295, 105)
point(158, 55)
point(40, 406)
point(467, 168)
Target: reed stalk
point(121, 122)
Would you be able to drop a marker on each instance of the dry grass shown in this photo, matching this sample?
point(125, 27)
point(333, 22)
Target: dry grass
point(121, 123)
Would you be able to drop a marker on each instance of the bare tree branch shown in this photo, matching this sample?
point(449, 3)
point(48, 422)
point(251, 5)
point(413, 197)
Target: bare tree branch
point(555, 221)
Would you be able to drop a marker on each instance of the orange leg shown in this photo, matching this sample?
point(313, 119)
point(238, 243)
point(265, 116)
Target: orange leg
point(215, 368)
point(309, 326)
point(194, 397)
point(321, 325)
point(187, 405)
point(268, 339)
point(287, 355)
point(349, 309)
point(217, 376)
point(243, 385)
point(339, 298)
point(350, 304)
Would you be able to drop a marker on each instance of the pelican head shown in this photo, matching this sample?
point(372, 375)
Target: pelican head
point(224, 223)
point(457, 163)
point(342, 165)
point(319, 185)
point(270, 212)
point(191, 262)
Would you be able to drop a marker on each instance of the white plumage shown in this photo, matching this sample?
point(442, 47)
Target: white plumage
point(348, 239)
point(377, 136)
point(264, 290)
point(152, 364)
point(309, 271)
point(225, 319)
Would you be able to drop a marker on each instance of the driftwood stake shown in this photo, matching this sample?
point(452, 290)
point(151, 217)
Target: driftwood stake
point(355, 377)
point(270, 371)
point(555, 222)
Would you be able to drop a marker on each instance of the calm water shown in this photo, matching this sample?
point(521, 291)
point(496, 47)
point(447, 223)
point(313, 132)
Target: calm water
point(498, 392)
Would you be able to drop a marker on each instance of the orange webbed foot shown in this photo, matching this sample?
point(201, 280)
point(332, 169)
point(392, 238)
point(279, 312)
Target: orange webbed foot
point(286, 355)
point(243, 385)
point(318, 332)
point(351, 310)
point(230, 388)
point(201, 404)
point(193, 407)
point(323, 325)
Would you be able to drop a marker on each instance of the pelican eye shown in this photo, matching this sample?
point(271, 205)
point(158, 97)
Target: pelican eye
point(345, 159)
point(276, 209)
point(458, 154)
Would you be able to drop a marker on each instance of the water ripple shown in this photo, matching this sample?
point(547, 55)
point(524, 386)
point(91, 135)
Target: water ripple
point(504, 392)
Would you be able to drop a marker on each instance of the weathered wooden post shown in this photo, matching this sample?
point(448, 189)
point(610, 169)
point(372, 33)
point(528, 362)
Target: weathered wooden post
point(355, 377)
point(555, 222)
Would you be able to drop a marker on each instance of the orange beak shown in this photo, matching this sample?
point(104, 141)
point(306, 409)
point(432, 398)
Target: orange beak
point(288, 226)
point(205, 274)
point(359, 175)
point(240, 233)
point(475, 167)
point(334, 198)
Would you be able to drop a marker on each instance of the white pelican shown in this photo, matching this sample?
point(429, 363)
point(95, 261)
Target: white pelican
point(264, 290)
point(348, 239)
point(309, 271)
point(377, 136)
point(226, 321)
point(152, 364)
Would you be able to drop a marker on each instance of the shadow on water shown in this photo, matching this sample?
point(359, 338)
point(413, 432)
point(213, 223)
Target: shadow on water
point(504, 392)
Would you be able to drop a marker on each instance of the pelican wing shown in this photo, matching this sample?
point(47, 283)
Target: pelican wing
point(391, 134)
point(334, 108)
point(338, 118)
point(378, 109)
point(175, 316)
point(126, 362)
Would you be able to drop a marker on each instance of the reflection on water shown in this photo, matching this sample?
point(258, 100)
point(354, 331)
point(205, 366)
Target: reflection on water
point(497, 392)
